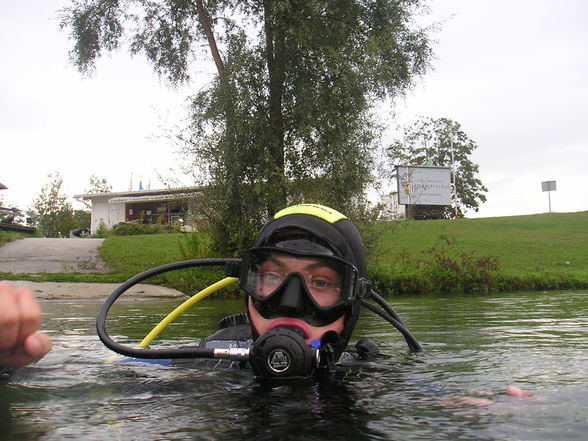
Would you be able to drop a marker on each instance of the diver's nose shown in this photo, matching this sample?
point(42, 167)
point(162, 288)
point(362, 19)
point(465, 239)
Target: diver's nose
point(292, 300)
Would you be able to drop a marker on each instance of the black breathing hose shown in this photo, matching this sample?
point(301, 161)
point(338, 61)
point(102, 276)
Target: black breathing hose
point(412, 342)
point(384, 304)
point(389, 314)
point(160, 353)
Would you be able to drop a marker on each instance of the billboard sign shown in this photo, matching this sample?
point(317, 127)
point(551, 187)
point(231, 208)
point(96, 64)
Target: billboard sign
point(423, 185)
point(548, 186)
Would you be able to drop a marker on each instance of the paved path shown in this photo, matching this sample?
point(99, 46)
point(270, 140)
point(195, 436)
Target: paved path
point(35, 256)
point(39, 255)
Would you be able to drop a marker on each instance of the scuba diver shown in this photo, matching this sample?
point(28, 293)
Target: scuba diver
point(305, 283)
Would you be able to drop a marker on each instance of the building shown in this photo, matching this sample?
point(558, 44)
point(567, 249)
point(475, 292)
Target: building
point(167, 206)
point(9, 218)
point(392, 210)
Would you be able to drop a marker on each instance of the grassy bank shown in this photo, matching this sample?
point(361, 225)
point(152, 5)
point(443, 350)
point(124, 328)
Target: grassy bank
point(537, 252)
point(544, 251)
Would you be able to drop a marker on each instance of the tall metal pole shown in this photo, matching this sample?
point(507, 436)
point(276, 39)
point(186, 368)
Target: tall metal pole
point(454, 195)
point(548, 186)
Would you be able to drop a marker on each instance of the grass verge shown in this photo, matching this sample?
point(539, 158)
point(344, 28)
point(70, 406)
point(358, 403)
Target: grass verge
point(10, 236)
point(536, 252)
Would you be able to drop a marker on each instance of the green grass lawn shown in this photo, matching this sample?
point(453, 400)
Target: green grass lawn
point(543, 251)
point(129, 255)
point(9, 236)
point(543, 242)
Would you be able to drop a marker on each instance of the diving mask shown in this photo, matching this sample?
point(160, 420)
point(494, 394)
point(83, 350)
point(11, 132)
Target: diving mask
point(315, 288)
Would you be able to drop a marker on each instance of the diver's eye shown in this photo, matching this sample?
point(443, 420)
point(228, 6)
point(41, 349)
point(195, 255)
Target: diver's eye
point(271, 277)
point(320, 283)
point(268, 282)
point(324, 285)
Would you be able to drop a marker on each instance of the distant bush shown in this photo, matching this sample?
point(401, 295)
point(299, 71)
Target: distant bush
point(135, 229)
point(101, 231)
point(190, 281)
point(459, 271)
point(196, 246)
point(9, 236)
point(444, 268)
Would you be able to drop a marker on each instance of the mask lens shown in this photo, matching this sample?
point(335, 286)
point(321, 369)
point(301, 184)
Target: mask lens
point(328, 280)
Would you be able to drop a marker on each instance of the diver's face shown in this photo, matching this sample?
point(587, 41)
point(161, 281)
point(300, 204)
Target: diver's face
point(322, 282)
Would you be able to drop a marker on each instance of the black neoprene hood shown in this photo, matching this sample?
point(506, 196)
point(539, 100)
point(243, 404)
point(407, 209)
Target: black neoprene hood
point(340, 235)
point(333, 230)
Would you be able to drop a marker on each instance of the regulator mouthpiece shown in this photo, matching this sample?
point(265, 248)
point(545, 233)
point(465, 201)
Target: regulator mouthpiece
point(283, 353)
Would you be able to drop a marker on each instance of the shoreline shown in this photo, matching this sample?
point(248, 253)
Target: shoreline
point(94, 291)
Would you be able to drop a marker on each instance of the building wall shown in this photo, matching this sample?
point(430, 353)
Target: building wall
point(166, 212)
point(99, 213)
point(169, 207)
point(116, 214)
point(102, 211)
point(392, 209)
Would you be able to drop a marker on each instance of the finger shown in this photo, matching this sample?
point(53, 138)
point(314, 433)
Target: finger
point(9, 318)
point(16, 357)
point(37, 345)
point(470, 401)
point(514, 391)
point(34, 348)
point(30, 314)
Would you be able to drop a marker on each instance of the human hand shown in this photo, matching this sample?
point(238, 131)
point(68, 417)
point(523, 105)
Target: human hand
point(20, 317)
point(511, 391)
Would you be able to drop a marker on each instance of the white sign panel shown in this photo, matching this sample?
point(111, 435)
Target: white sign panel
point(548, 186)
point(423, 185)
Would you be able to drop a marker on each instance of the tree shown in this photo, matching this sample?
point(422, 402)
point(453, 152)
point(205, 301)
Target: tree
point(97, 185)
point(441, 142)
point(51, 213)
point(287, 116)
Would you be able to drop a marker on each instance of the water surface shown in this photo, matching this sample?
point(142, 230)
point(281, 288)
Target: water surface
point(474, 346)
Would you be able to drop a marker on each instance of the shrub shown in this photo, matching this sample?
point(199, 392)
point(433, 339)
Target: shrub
point(9, 236)
point(101, 231)
point(459, 272)
point(441, 269)
point(196, 246)
point(134, 229)
point(192, 280)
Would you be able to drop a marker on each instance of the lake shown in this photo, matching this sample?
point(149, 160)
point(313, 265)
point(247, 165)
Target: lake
point(474, 346)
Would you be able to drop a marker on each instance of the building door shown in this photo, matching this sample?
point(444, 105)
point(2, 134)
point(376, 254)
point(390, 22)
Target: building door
point(113, 215)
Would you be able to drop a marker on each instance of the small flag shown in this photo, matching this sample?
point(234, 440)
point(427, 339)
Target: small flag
point(140, 185)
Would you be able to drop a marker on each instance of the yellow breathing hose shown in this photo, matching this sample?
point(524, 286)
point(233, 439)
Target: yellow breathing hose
point(184, 307)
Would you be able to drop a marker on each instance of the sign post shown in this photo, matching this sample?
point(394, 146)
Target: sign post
point(548, 186)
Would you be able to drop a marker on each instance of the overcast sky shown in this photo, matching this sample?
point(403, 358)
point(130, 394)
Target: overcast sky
point(512, 73)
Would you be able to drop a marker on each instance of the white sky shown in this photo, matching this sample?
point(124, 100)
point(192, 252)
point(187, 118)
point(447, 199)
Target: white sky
point(512, 73)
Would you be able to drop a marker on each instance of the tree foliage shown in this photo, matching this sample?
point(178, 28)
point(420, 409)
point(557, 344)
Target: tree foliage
point(287, 116)
point(98, 185)
point(441, 142)
point(51, 213)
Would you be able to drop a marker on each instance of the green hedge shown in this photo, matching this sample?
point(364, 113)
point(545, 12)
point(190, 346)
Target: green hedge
point(136, 229)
